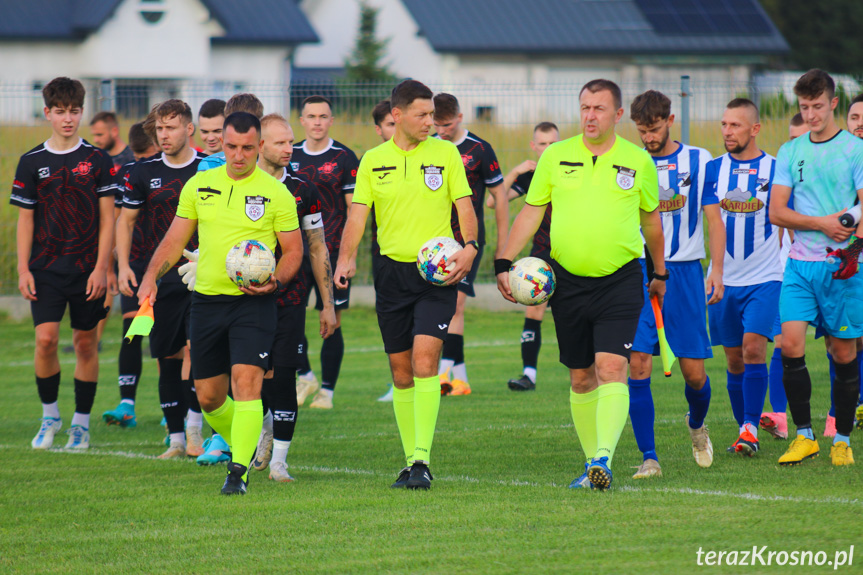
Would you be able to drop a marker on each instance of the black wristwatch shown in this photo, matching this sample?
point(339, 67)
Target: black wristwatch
point(662, 278)
point(472, 243)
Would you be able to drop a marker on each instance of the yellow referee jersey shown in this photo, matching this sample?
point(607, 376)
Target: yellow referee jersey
point(595, 223)
point(230, 211)
point(412, 193)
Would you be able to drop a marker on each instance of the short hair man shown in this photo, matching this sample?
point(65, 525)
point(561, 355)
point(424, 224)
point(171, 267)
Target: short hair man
point(601, 187)
point(797, 127)
point(824, 172)
point(744, 320)
point(280, 383)
point(684, 202)
point(140, 143)
point(232, 328)
point(412, 181)
point(854, 119)
point(516, 183)
point(149, 205)
point(332, 168)
point(483, 171)
point(243, 102)
point(106, 135)
point(211, 117)
point(63, 253)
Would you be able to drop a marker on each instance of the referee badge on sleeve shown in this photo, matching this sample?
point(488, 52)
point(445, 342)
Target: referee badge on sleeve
point(433, 176)
point(255, 207)
point(625, 177)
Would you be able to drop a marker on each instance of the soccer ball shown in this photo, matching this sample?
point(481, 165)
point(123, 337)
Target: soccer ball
point(531, 281)
point(250, 264)
point(433, 258)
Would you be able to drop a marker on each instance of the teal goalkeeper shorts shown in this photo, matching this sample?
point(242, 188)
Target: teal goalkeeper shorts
point(809, 293)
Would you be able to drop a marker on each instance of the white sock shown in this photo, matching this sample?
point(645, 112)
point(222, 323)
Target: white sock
point(530, 372)
point(327, 392)
point(751, 429)
point(459, 372)
point(308, 374)
point(268, 422)
point(128, 401)
point(445, 366)
point(82, 419)
point(51, 410)
point(280, 450)
point(195, 419)
point(178, 438)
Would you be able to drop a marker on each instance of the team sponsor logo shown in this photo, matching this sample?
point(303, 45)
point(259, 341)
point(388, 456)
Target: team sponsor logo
point(433, 177)
point(466, 160)
point(670, 201)
point(328, 168)
point(114, 169)
point(44, 173)
point(255, 207)
point(665, 167)
point(741, 202)
point(295, 166)
point(83, 168)
point(18, 184)
point(744, 171)
point(625, 177)
point(155, 183)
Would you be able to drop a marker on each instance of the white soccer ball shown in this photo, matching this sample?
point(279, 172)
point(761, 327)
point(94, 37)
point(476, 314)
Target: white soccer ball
point(531, 281)
point(434, 257)
point(250, 264)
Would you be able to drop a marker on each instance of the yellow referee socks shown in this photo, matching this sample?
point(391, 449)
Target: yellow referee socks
point(612, 409)
point(426, 406)
point(220, 419)
point(245, 431)
point(403, 406)
point(583, 408)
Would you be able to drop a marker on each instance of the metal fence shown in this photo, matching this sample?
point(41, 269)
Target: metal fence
point(503, 114)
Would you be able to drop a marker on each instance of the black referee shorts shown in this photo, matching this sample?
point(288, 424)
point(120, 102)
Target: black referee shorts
point(171, 319)
point(227, 330)
point(408, 306)
point(55, 290)
point(593, 315)
point(467, 282)
point(290, 331)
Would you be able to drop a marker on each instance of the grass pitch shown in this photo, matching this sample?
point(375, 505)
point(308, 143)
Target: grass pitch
point(499, 503)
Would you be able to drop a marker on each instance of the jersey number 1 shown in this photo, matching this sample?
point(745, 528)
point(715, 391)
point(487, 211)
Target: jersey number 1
point(801, 174)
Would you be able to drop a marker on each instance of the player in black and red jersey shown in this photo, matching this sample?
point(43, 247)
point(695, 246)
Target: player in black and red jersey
point(65, 194)
point(332, 167)
point(280, 385)
point(483, 171)
point(516, 183)
point(150, 202)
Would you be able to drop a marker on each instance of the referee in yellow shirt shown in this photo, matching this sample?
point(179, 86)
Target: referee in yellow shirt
point(232, 329)
point(412, 181)
point(601, 187)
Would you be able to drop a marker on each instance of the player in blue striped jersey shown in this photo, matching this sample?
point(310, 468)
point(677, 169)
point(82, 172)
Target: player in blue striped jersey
point(683, 198)
point(824, 171)
point(743, 321)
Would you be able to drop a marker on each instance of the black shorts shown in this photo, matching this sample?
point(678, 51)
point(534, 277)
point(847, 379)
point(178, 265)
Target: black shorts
point(227, 330)
point(342, 297)
point(130, 304)
point(171, 319)
point(54, 291)
point(593, 315)
point(466, 284)
point(408, 306)
point(290, 332)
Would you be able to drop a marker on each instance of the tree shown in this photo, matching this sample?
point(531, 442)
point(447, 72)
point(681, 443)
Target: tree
point(364, 63)
point(825, 34)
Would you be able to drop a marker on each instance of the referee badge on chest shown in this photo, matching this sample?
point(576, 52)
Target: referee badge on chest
point(255, 207)
point(625, 177)
point(433, 176)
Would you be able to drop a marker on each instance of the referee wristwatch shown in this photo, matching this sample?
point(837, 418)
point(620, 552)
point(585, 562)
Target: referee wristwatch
point(472, 243)
point(662, 278)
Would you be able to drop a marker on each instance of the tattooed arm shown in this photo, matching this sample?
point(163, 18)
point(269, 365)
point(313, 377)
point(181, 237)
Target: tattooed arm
point(167, 254)
point(323, 272)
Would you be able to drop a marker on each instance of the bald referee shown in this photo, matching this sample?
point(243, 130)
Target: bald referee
point(412, 181)
point(601, 188)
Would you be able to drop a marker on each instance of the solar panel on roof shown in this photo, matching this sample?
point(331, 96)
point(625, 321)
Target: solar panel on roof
point(719, 17)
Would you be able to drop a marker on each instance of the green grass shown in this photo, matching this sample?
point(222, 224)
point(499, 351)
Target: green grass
point(499, 502)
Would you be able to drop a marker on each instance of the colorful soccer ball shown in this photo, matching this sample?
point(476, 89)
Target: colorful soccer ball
point(434, 257)
point(250, 264)
point(531, 281)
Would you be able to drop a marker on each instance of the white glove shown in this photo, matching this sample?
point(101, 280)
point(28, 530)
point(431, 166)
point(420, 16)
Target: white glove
point(189, 269)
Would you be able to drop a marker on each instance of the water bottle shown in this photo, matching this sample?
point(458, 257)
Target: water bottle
point(851, 218)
